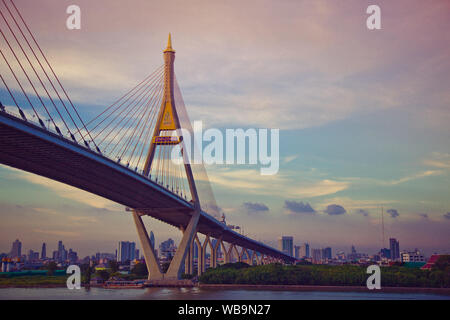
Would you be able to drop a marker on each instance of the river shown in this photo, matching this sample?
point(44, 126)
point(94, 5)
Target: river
point(202, 294)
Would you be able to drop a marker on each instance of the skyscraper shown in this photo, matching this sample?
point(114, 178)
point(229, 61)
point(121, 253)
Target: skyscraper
point(297, 252)
point(167, 248)
point(316, 255)
point(304, 251)
point(44, 251)
point(16, 250)
point(395, 248)
point(326, 253)
point(126, 251)
point(152, 240)
point(286, 244)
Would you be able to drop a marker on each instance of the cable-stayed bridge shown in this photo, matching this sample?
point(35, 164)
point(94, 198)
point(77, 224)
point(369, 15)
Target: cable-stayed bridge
point(125, 153)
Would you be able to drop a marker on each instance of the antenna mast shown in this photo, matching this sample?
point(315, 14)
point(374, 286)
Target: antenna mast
point(382, 227)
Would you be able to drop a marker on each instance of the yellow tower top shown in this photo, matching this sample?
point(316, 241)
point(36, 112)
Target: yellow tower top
point(169, 45)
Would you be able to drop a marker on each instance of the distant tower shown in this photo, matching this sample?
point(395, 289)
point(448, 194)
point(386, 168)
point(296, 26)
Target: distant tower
point(382, 228)
point(152, 240)
point(44, 251)
point(16, 250)
point(395, 248)
point(223, 219)
point(286, 245)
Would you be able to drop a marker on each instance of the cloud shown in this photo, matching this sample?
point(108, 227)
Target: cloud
point(393, 212)
point(66, 191)
point(57, 232)
point(250, 181)
point(335, 209)
point(298, 207)
point(363, 212)
point(438, 160)
point(423, 215)
point(47, 211)
point(419, 175)
point(290, 158)
point(255, 207)
point(447, 215)
point(82, 220)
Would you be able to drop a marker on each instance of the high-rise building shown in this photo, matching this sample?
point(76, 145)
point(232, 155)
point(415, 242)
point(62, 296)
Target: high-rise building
point(316, 255)
point(412, 256)
point(136, 254)
point(395, 248)
point(167, 248)
point(32, 256)
point(297, 252)
point(152, 240)
point(304, 251)
point(326, 253)
point(126, 251)
point(44, 251)
point(62, 252)
point(16, 250)
point(286, 245)
point(340, 255)
point(385, 253)
point(72, 256)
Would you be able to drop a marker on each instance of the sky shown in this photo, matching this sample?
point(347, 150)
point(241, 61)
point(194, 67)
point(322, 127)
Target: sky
point(363, 116)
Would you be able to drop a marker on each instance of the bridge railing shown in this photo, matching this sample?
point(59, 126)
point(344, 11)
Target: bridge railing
point(66, 137)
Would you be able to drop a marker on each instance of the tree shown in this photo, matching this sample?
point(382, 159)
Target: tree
point(51, 268)
point(442, 263)
point(140, 269)
point(86, 271)
point(103, 274)
point(113, 265)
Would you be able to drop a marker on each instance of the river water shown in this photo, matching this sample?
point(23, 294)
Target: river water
point(202, 294)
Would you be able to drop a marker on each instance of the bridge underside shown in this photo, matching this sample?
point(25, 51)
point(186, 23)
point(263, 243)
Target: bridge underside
point(30, 148)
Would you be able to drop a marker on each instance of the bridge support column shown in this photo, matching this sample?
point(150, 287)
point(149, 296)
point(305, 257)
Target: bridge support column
point(230, 253)
point(174, 271)
point(214, 253)
point(154, 271)
point(241, 254)
point(248, 259)
point(187, 265)
point(225, 252)
point(199, 256)
point(254, 256)
point(191, 256)
point(188, 268)
point(205, 244)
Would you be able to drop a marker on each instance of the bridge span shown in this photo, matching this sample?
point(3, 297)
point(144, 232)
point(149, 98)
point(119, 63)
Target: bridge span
point(26, 146)
point(144, 125)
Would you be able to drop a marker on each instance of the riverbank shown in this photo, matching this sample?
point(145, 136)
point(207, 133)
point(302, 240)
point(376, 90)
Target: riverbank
point(305, 288)
point(37, 281)
point(441, 291)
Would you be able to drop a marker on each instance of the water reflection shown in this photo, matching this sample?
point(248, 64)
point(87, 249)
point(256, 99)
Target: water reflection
point(201, 294)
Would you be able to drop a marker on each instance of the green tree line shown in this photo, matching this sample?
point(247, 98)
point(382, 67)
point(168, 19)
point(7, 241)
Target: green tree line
point(326, 275)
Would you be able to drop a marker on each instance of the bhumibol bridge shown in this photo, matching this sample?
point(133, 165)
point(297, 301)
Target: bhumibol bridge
point(123, 154)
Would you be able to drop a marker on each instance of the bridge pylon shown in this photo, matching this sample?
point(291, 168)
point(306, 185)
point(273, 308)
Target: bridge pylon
point(168, 120)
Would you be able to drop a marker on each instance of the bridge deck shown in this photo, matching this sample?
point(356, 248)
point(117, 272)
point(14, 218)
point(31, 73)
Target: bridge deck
point(29, 147)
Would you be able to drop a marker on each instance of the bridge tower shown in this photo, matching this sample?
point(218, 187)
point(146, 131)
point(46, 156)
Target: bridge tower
point(168, 120)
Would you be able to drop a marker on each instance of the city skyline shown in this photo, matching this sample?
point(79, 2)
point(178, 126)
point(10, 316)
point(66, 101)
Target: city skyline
point(363, 119)
point(285, 244)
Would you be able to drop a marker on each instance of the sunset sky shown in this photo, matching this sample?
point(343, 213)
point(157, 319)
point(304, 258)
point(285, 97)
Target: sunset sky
point(363, 116)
